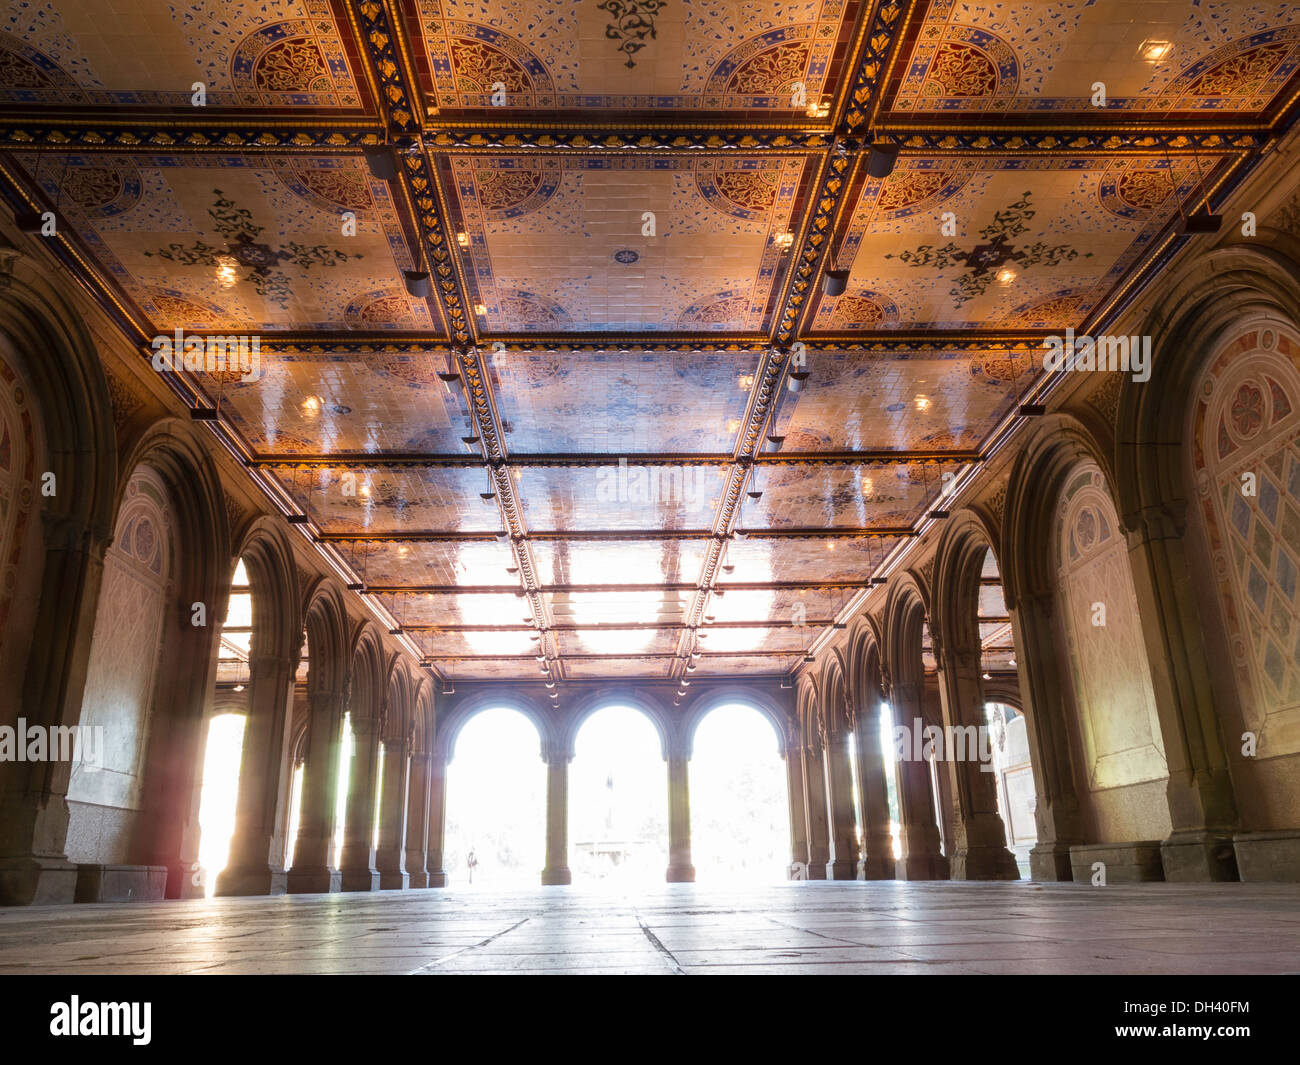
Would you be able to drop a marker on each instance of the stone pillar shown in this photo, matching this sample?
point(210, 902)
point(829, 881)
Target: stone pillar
point(922, 855)
point(557, 818)
point(417, 821)
point(437, 818)
point(819, 846)
point(843, 861)
point(798, 813)
point(357, 871)
point(680, 868)
point(256, 862)
point(1202, 804)
point(979, 850)
point(34, 866)
point(312, 871)
point(392, 816)
point(1058, 818)
point(877, 861)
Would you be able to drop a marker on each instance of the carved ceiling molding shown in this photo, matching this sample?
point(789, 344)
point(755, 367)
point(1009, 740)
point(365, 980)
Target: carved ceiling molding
point(877, 46)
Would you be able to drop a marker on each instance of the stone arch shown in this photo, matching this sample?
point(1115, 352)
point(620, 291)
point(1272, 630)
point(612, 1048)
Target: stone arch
point(959, 561)
point(1215, 315)
point(670, 739)
point(705, 703)
point(325, 621)
point(56, 563)
point(864, 666)
point(907, 606)
point(463, 708)
point(165, 463)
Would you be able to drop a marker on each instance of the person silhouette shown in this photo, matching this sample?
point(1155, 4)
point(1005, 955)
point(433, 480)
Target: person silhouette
point(472, 862)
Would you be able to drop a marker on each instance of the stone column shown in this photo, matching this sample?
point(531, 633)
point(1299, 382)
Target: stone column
point(877, 861)
point(437, 818)
point(312, 870)
point(1202, 804)
point(557, 818)
point(843, 861)
point(1058, 818)
point(417, 821)
point(979, 850)
point(798, 813)
point(357, 871)
point(680, 868)
point(819, 846)
point(392, 816)
point(256, 862)
point(922, 855)
point(34, 866)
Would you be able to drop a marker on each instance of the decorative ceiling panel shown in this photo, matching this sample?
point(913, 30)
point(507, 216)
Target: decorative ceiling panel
point(324, 402)
point(465, 608)
point(613, 497)
point(740, 665)
point(674, 58)
point(922, 400)
point(603, 562)
point(374, 499)
point(245, 54)
point(614, 641)
point(633, 243)
point(788, 638)
point(471, 643)
point(593, 668)
point(802, 606)
point(1155, 58)
point(786, 559)
point(845, 495)
point(623, 402)
point(441, 565)
point(998, 241)
point(241, 243)
point(589, 609)
point(484, 668)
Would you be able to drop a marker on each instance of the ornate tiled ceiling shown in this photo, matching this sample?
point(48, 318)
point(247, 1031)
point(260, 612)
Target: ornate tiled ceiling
point(580, 452)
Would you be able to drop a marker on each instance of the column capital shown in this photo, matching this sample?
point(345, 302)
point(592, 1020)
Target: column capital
point(1160, 521)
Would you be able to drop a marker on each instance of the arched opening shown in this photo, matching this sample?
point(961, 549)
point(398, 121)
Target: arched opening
point(1104, 659)
point(739, 803)
point(1017, 801)
point(495, 833)
point(107, 788)
point(223, 748)
point(618, 799)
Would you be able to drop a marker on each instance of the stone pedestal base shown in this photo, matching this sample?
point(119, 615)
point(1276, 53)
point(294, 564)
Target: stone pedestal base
point(1268, 855)
point(393, 881)
point(418, 880)
point(1198, 857)
point(262, 880)
point(680, 874)
point(1051, 862)
point(1126, 863)
point(985, 863)
point(553, 877)
point(922, 867)
point(317, 881)
point(37, 881)
point(876, 869)
point(438, 879)
point(841, 869)
point(121, 883)
point(359, 880)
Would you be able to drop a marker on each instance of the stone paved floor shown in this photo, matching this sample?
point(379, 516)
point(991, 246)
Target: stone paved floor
point(883, 927)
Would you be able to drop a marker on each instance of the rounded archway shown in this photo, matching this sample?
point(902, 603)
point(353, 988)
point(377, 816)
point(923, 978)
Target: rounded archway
point(495, 832)
point(739, 801)
point(618, 803)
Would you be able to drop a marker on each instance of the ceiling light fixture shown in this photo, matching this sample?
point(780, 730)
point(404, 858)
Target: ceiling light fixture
point(881, 159)
point(380, 162)
point(834, 282)
point(418, 283)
